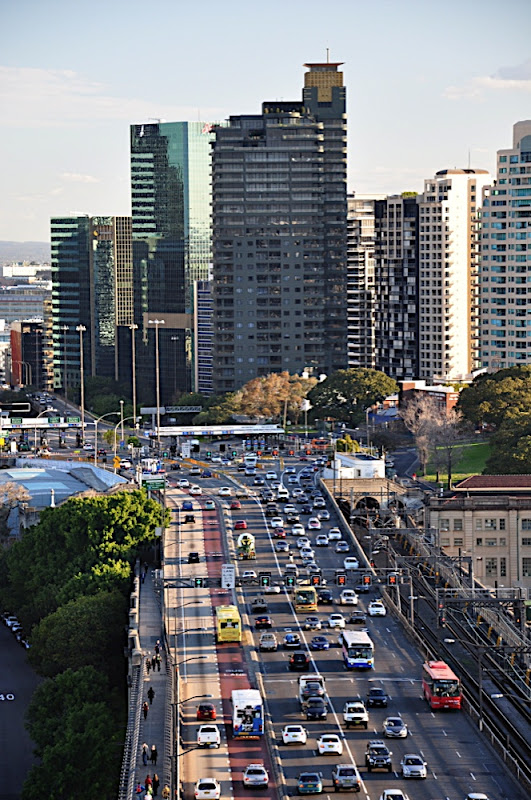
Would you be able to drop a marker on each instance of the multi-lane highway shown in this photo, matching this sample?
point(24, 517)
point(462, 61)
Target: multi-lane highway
point(458, 760)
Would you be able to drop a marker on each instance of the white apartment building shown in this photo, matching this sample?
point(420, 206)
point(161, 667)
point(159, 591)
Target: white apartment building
point(448, 273)
point(505, 274)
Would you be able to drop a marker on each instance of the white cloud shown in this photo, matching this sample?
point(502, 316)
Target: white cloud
point(34, 97)
point(515, 78)
point(77, 178)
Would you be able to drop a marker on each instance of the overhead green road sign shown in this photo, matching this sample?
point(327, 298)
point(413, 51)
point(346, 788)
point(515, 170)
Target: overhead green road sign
point(73, 420)
point(150, 484)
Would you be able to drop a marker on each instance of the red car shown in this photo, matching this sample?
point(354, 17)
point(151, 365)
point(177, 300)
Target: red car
point(240, 525)
point(235, 505)
point(206, 711)
point(279, 533)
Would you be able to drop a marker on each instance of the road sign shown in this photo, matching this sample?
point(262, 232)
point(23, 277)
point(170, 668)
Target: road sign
point(151, 485)
point(73, 420)
point(228, 576)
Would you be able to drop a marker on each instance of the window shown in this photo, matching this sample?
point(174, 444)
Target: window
point(491, 542)
point(491, 566)
point(479, 524)
point(458, 541)
point(503, 567)
point(526, 524)
point(502, 524)
point(490, 524)
point(479, 542)
point(458, 524)
point(444, 524)
point(445, 541)
point(526, 541)
point(526, 567)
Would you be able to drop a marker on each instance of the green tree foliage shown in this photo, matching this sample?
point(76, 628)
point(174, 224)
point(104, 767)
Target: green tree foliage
point(347, 445)
point(274, 395)
point(492, 397)
point(348, 392)
point(219, 410)
point(77, 740)
point(191, 399)
point(84, 546)
point(511, 447)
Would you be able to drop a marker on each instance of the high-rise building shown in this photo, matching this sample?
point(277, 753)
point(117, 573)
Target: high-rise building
point(396, 306)
point(170, 191)
point(279, 236)
point(203, 337)
point(505, 290)
point(448, 273)
point(27, 354)
point(90, 257)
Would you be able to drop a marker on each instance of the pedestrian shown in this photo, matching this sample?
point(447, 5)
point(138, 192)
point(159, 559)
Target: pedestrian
point(139, 788)
point(166, 793)
point(159, 662)
point(145, 751)
point(142, 577)
point(145, 709)
point(148, 663)
point(154, 754)
point(157, 647)
point(148, 782)
point(153, 662)
point(151, 695)
point(156, 784)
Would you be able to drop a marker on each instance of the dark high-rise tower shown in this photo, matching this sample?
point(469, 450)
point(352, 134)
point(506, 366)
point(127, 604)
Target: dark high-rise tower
point(279, 236)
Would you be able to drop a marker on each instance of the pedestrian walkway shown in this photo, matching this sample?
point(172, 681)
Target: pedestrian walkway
point(154, 725)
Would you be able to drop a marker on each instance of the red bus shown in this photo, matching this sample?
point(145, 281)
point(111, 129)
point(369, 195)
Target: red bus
point(321, 444)
point(441, 687)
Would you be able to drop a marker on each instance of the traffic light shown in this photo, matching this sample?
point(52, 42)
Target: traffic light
point(234, 453)
point(199, 582)
point(392, 579)
point(366, 580)
point(209, 453)
point(274, 453)
point(265, 578)
point(195, 448)
point(291, 452)
point(308, 452)
point(222, 448)
point(341, 578)
point(315, 579)
point(290, 580)
point(164, 454)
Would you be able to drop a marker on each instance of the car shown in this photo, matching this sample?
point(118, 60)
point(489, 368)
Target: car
point(209, 505)
point(292, 640)
point(125, 463)
point(378, 756)
point(282, 546)
point(276, 522)
point(319, 643)
point(294, 734)
point(10, 620)
point(350, 562)
point(259, 605)
point(263, 621)
point(314, 524)
point(89, 446)
point(271, 510)
point(193, 558)
point(297, 492)
point(292, 518)
point(241, 468)
point(207, 789)
point(393, 794)
point(183, 483)
point(208, 736)
point(293, 479)
point(258, 481)
point(336, 621)
point(309, 782)
point(325, 596)
point(250, 471)
point(206, 711)
point(476, 796)
point(267, 642)
point(290, 471)
point(329, 744)
point(291, 569)
point(323, 514)
point(216, 459)
point(267, 495)
point(321, 540)
point(315, 708)
point(235, 505)
point(187, 505)
point(299, 660)
point(273, 588)
point(303, 541)
point(279, 533)
point(306, 554)
point(395, 728)
point(271, 476)
point(298, 530)
point(346, 776)
point(195, 491)
point(413, 766)
point(334, 534)
point(312, 624)
point(301, 499)
point(357, 618)
point(348, 597)
point(195, 471)
point(249, 575)
point(376, 609)
point(312, 567)
point(355, 713)
point(240, 525)
point(188, 518)
point(255, 777)
point(306, 509)
point(319, 502)
point(290, 509)
point(206, 473)
point(224, 491)
point(377, 697)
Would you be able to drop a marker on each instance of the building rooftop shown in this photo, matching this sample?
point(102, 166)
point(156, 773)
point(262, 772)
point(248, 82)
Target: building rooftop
point(500, 483)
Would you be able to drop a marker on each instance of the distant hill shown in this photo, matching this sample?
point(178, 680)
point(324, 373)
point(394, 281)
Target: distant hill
point(24, 251)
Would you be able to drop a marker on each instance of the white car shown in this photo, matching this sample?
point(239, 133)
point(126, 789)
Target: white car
point(314, 524)
point(290, 509)
point(271, 476)
point(351, 562)
point(125, 463)
point(303, 541)
point(276, 522)
point(216, 460)
point(293, 479)
point(321, 540)
point(393, 794)
point(183, 483)
point(297, 492)
point(330, 744)
point(207, 789)
point(195, 490)
point(413, 766)
point(334, 534)
point(225, 491)
point(294, 734)
point(376, 609)
point(336, 620)
point(307, 554)
point(312, 567)
point(255, 776)
point(298, 529)
point(348, 597)
point(249, 575)
point(88, 446)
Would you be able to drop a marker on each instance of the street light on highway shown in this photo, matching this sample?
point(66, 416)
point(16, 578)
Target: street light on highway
point(81, 329)
point(110, 414)
point(156, 323)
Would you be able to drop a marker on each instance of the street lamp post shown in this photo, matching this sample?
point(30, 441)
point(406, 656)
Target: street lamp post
point(121, 422)
point(122, 417)
point(133, 327)
point(110, 414)
point(81, 329)
point(65, 380)
point(37, 417)
point(156, 323)
point(367, 411)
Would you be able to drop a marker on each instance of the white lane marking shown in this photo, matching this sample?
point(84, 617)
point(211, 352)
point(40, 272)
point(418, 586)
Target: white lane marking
point(444, 733)
point(458, 754)
point(435, 776)
point(472, 776)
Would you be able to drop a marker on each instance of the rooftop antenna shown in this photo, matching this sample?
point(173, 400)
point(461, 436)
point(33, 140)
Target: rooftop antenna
point(328, 55)
point(469, 158)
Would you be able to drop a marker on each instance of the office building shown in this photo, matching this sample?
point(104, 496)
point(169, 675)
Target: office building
point(279, 236)
point(203, 337)
point(448, 273)
point(27, 354)
point(505, 278)
point(170, 192)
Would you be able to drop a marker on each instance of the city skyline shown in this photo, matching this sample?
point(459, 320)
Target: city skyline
point(443, 93)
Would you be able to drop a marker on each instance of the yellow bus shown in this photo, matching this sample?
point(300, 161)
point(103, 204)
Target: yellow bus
point(305, 598)
point(228, 624)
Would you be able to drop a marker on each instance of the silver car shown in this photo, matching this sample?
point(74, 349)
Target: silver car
point(413, 766)
point(395, 728)
point(255, 775)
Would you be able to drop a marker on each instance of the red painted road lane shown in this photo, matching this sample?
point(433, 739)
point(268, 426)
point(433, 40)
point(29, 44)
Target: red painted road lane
point(233, 672)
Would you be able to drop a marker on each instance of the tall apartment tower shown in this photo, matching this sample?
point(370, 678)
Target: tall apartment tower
point(88, 256)
point(279, 236)
point(505, 278)
point(170, 191)
point(448, 273)
point(396, 308)
point(361, 288)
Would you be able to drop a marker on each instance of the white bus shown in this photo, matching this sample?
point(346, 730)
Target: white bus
point(247, 714)
point(358, 650)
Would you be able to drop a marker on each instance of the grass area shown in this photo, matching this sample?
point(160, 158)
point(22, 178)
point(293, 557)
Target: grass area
point(472, 462)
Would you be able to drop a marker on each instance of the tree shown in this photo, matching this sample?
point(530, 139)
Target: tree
point(511, 447)
point(218, 412)
point(491, 397)
point(448, 434)
point(11, 495)
point(277, 395)
point(347, 393)
point(420, 415)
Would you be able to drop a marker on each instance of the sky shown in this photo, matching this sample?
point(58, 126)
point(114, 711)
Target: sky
point(430, 85)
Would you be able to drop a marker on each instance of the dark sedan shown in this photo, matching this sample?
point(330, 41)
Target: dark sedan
point(315, 708)
point(263, 621)
point(320, 643)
